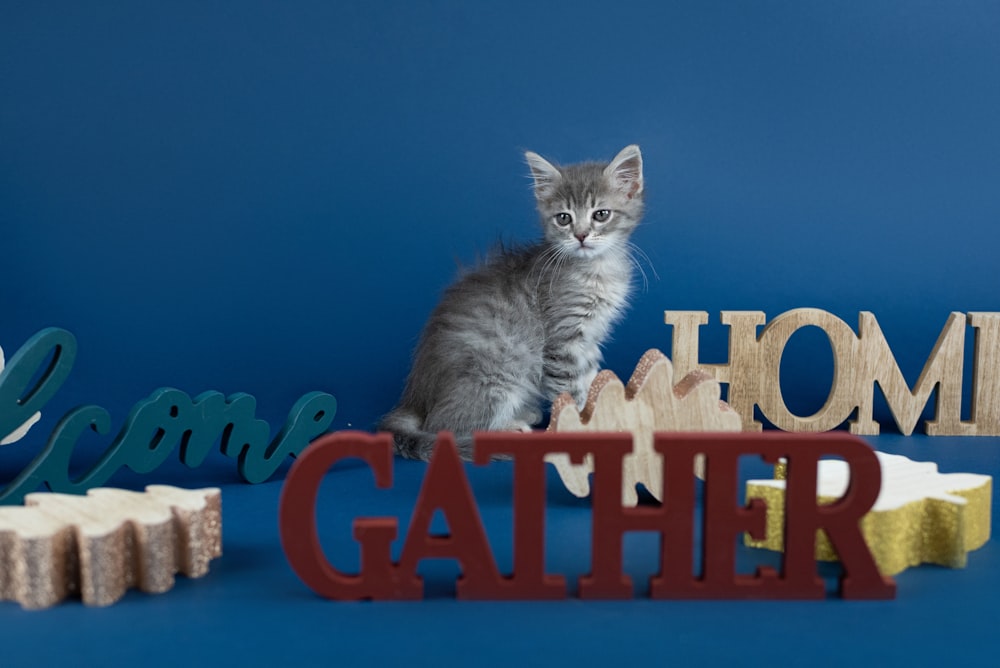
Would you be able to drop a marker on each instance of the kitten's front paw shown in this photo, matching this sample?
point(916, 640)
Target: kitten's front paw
point(531, 417)
point(522, 427)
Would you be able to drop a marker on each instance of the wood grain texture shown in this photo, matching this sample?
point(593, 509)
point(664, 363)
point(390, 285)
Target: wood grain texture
point(99, 545)
point(985, 415)
point(651, 402)
point(861, 361)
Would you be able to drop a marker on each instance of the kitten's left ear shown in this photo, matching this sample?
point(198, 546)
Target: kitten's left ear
point(546, 174)
point(625, 171)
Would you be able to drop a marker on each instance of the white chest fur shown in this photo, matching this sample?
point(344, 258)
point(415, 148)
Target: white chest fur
point(607, 287)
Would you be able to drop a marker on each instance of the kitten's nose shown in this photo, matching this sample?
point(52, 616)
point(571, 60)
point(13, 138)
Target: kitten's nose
point(581, 238)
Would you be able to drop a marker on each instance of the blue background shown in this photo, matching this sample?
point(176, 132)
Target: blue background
point(268, 198)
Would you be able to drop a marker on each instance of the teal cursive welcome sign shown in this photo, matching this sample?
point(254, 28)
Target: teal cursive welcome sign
point(167, 418)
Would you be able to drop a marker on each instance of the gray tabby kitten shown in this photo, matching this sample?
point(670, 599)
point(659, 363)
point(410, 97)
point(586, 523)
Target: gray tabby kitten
point(529, 323)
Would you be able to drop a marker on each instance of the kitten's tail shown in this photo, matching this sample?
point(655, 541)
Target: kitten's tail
point(410, 439)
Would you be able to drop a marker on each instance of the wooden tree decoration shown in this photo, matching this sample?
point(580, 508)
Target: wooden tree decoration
point(100, 545)
point(920, 515)
point(651, 402)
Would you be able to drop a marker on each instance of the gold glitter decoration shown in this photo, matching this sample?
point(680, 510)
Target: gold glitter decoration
point(99, 545)
point(651, 402)
point(920, 516)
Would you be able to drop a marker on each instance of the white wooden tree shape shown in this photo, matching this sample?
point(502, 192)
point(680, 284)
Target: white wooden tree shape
point(920, 515)
point(99, 545)
point(651, 402)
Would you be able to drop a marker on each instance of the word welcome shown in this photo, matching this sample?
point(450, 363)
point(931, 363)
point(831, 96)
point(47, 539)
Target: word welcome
point(860, 361)
point(156, 425)
point(445, 488)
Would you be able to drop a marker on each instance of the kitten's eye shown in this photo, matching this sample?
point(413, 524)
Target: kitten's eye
point(563, 219)
point(602, 215)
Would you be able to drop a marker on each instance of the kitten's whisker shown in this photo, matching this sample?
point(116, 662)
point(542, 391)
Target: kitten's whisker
point(635, 250)
point(641, 253)
point(645, 280)
point(560, 256)
point(548, 257)
point(552, 266)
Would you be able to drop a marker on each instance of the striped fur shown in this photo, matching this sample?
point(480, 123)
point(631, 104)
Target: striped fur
point(529, 322)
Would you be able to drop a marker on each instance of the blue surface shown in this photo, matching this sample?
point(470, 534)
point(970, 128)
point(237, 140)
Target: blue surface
point(251, 607)
point(268, 198)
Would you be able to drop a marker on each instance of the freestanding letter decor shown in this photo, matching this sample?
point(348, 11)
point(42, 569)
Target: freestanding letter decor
point(446, 489)
point(167, 419)
point(17, 434)
point(860, 361)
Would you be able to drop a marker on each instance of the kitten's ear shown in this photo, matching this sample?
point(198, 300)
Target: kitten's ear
point(625, 171)
point(546, 174)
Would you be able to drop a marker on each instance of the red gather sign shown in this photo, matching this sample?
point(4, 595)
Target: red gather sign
point(445, 488)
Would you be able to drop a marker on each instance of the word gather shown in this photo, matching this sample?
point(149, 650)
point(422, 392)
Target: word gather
point(446, 489)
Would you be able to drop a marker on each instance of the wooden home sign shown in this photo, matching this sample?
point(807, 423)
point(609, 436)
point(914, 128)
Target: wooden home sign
point(860, 361)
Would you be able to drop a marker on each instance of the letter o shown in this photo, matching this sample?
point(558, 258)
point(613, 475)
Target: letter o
point(841, 399)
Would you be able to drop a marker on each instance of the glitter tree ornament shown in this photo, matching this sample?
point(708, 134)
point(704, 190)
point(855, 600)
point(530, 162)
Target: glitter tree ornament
point(920, 516)
point(651, 402)
point(99, 545)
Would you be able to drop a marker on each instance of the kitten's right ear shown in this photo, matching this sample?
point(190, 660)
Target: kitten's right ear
point(546, 174)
